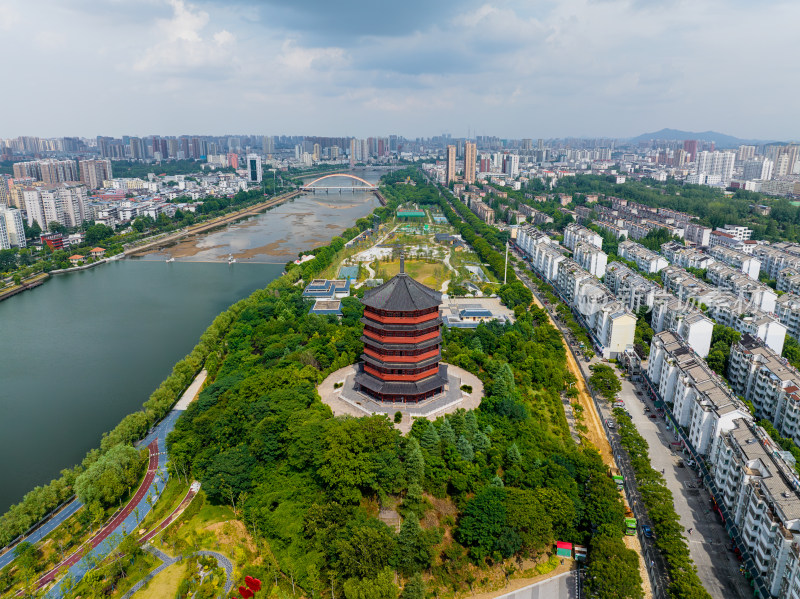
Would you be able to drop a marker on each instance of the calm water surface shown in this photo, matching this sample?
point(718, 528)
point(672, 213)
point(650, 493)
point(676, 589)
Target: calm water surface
point(83, 350)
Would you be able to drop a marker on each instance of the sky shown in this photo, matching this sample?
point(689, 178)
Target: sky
point(510, 68)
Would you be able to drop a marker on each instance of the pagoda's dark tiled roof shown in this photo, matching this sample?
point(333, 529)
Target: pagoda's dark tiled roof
point(400, 365)
point(406, 388)
point(411, 326)
point(401, 346)
point(403, 294)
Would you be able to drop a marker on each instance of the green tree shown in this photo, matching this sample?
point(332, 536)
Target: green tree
point(464, 448)
point(415, 462)
point(98, 233)
point(56, 227)
point(110, 477)
point(430, 439)
point(446, 432)
point(605, 381)
point(380, 587)
point(366, 551)
point(414, 589)
point(612, 570)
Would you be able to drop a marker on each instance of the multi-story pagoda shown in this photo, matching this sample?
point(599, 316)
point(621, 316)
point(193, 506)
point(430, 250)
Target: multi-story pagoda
point(402, 342)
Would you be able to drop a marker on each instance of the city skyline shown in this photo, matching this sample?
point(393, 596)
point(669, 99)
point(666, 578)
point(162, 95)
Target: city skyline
point(582, 69)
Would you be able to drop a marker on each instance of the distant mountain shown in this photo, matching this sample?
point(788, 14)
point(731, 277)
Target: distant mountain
point(720, 139)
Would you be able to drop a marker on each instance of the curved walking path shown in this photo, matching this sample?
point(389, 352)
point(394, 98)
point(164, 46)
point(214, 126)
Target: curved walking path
point(117, 521)
point(125, 521)
point(172, 516)
point(166, 561)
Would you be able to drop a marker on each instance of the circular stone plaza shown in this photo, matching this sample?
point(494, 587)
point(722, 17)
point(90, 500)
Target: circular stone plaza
point(401, 368)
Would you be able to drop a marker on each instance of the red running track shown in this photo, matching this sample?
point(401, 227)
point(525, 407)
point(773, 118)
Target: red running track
point(166, 521)
point(106, 531)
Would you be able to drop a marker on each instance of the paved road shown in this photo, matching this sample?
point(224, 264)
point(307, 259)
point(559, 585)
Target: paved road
point(66, 512)
point(563, 586)
point(76, 559)
point(717, 566)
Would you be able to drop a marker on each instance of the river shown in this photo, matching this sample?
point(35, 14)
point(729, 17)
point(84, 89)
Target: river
point(83, 350)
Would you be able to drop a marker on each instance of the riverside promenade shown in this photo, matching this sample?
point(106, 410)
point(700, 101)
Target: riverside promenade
point(124, 521)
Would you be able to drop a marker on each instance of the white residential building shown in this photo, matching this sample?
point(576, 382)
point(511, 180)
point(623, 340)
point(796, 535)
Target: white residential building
point(545, 259)
point(737, 313)
point(684, 285)
point(610, 323)
point(700, 401)
point(760, 296)
point(789, 281)
point(738, 232)
point(757, 170)
point(716, 165)
point(749, 265)
point(530, 237)
point(722, 237)
point(762, 377)
point(574, 233)
point(64, 204)
point(758, 486)
point(631, 288)
point(699, 235)
point(591, 259)
point(774, 260)
point(570, 275)
point(616, 231)
point(691, 325)
point(13, 230)
point(788, 311)
point(646, 260)
point(685, 257)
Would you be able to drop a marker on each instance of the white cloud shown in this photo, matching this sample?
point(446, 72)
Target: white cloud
point(610, 67)
point(183, 51)
point(9, 16)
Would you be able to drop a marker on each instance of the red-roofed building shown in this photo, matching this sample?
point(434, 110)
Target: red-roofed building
point(98, 252)
point(75, 259)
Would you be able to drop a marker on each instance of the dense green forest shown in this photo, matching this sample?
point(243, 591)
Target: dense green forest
point(259, 438)
point(476, 490)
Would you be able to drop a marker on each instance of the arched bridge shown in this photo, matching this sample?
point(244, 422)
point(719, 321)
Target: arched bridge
point(365, 185)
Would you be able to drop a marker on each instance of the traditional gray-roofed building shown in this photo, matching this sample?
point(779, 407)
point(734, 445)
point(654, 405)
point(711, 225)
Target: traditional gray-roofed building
point(402, 342)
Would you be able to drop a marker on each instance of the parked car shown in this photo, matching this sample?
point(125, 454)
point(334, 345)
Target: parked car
point(646, 409)
point(648, 532)
point(653, 416)
point(691, 463)
point(610, 423)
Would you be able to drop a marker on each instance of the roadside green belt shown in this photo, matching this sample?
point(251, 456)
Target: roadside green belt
point(684, 582)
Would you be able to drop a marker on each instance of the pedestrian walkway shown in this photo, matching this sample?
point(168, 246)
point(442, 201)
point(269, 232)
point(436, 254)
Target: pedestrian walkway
point(166, 561)
point(128, 519)
point(45, 529)
point(563, 586)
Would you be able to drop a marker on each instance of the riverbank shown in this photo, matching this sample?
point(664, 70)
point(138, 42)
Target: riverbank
point(24, 286)
point(209, 225)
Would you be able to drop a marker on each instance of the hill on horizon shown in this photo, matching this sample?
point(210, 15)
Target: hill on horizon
point(720, 139)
